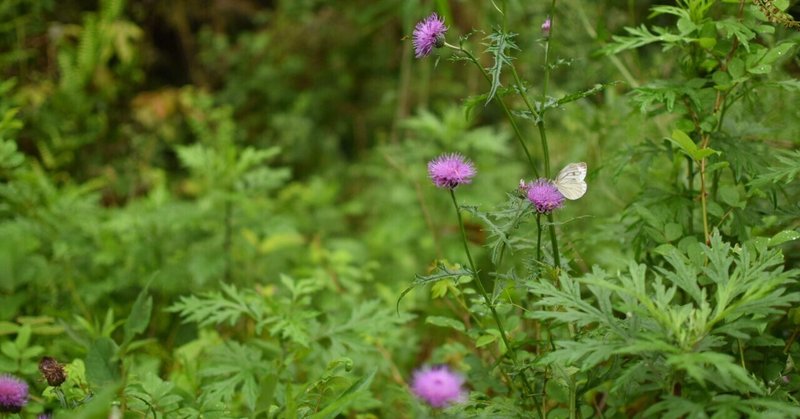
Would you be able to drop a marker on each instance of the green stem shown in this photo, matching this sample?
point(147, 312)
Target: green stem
point(228, 240)
point(545, 148)
point(543, 133)
point(539, 237)
point(481, 289)
point(554, 241)
point(505, 18)
point(545, 86)
point(487, 299)
point(703, 198)
point(573, 398)
point(514, 126)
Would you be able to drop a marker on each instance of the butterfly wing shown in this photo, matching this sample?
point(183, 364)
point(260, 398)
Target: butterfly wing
point(570, 180)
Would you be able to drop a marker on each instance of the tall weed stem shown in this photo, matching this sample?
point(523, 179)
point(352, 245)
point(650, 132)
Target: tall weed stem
point(543, 134)
point(511, 120)
point(488, 299)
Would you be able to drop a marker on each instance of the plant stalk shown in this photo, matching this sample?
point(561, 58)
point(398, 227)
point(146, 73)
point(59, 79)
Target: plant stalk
point(487, 299)
point(543, 133)
point(514, 126)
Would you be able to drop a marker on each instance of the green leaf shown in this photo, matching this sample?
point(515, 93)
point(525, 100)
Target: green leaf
point(7, 328)
point(485, 340)
point(760, 69)
point(445, 322)
point(346, 398)
point(98, 406)
point(779, 51)
point(23, 336)
point(101, 366)
point(10, 350)
point(783, 237)
point(729, 194)
point(672, 231)
point(234, 370)
point(736, 68)
point(267, 386)
point(702, 153)
point(641, 36)
point(707, 43)
point(500, 43)
point(688, 147)
point(139, 318)
point(683, 142)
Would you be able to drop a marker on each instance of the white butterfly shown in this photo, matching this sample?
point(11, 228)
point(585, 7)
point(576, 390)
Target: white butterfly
point(570, 180)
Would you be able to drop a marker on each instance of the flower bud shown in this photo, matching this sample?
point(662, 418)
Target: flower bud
point(52, 371)
point(546, 26)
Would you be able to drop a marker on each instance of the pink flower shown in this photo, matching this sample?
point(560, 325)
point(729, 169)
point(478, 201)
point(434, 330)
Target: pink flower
point(438, 386)
point(451, 170)
point(429, 34)
point(546, 26)
point(544, 196)
point(13, 394)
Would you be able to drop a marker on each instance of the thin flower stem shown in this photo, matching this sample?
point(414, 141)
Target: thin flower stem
point(703, 196)
point(487, 299)
point(719, 109)
point(481, 289)
point(545, 86)
point(511, 120)
point(539, 237)
point(545, 148)
point(690, 187)
point(573, 398)
point(543, 133)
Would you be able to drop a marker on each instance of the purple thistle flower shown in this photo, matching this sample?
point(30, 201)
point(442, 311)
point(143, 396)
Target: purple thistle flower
point(428, 34)
point(46, 415)
point(544, 196)
point(13, 394)
point(450, 170)
point(438, 386)
point(546, 26)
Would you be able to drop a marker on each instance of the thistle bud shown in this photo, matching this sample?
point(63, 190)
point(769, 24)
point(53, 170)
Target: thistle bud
point(52, 371)
point(546, 26)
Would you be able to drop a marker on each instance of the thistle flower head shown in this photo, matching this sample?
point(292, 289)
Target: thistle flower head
point(546, 26)
point(544, 196)
point(13, 394)
point(438, 386)
point(52, 371)
point(429, 34)
point(450, 170)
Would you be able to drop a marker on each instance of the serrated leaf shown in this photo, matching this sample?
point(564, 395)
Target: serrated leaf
point(347, 397)
point(500, 43)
